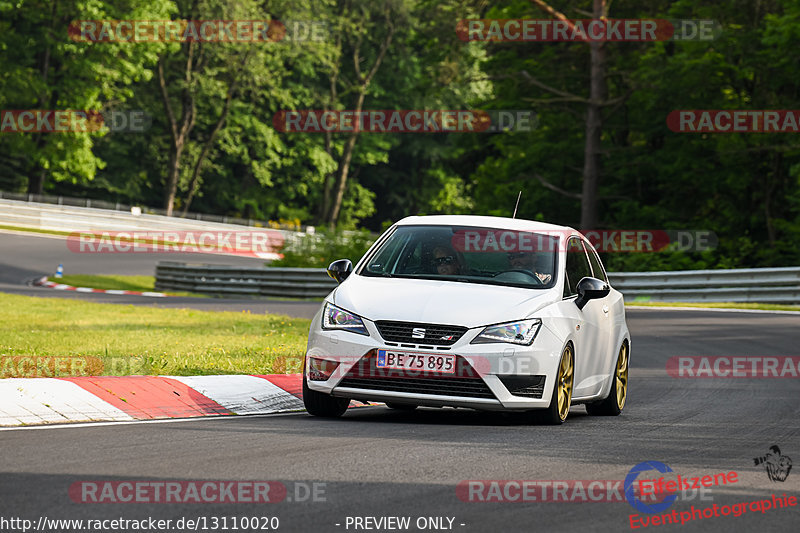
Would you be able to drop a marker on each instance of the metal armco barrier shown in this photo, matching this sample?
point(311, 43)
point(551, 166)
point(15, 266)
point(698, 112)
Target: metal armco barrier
point(763, 285)
point(228, 280)
point(45, 202)
point(757, 285)
point(74, 219)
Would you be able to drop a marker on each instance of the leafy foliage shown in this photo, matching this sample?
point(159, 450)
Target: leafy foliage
point(324, 247)
point(745, 187)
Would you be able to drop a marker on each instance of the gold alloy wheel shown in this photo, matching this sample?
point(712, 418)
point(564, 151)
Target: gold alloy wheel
point(565, 374)
point(621, 376)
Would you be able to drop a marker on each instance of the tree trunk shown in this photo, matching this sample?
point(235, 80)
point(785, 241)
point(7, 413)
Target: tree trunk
point(363, 81)
point(173, 172)
point(769, 187)
point(344, 167)
point(327, 192)
point(598, 94)
point(37, 179)
point(194, 183)
point(178, 133)
point(36, 182)
point(327, 184)
point(594, 127)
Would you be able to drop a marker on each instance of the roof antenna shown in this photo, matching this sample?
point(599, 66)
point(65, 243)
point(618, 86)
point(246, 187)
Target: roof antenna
point(516, 206)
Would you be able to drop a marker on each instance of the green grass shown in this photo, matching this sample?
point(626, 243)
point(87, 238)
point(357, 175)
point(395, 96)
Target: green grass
point(126, 339)
point(108, 281)
point(720, 305)
point(34, 230)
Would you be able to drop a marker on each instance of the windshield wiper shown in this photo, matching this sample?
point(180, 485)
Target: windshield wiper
point(372, 273)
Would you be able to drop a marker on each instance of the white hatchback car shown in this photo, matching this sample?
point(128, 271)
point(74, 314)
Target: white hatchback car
point(471, 311)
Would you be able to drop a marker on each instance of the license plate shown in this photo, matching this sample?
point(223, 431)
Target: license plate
point(423, 362)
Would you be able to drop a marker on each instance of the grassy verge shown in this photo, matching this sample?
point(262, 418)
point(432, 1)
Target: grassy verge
point(108, 281)
point(113, 339)
point(34, 230)
point(720, 305)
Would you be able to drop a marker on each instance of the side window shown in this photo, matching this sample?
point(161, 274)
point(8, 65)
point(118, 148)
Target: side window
point(597, 266)
point(577, 266)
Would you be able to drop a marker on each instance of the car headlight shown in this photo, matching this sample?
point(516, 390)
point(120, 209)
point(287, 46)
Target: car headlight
point(520, 332)
point(336, 318)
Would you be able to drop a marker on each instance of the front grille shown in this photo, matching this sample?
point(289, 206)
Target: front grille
point(463, 388)
point(434, 334)
point(464, 383)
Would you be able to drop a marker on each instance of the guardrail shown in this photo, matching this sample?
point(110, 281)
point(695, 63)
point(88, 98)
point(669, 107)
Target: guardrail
point(66, 201)
point(763, 285)
point(756, 285)
point(228, 280)
point(72, 219)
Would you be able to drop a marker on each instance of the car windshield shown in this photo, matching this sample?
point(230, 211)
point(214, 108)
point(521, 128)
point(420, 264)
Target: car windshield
point(468, 254)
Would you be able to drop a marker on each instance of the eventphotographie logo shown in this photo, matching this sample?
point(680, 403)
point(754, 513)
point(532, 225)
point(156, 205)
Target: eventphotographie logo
point(631, 493)
point(776, 465)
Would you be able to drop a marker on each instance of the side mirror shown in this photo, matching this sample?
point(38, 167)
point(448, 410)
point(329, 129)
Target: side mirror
point(590, 289)
point(340, 269)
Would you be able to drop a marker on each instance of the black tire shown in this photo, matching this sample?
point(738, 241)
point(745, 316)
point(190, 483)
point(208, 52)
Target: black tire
point(401, 406)
point(555, 415)
point(615, 401)
point(321, 404)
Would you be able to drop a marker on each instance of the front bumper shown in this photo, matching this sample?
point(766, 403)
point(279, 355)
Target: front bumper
point(497, 376)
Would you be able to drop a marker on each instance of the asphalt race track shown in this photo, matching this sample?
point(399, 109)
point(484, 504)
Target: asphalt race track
point(375, 462)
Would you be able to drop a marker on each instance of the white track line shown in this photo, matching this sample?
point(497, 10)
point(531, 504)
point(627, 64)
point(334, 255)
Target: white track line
point(719, 309)
point(157, 421)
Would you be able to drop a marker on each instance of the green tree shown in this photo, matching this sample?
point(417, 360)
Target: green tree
point(43, 69)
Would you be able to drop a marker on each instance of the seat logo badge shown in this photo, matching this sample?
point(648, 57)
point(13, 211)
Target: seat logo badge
point(418, 333)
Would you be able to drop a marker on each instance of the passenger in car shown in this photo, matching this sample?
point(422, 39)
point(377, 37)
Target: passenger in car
point(527, 261)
